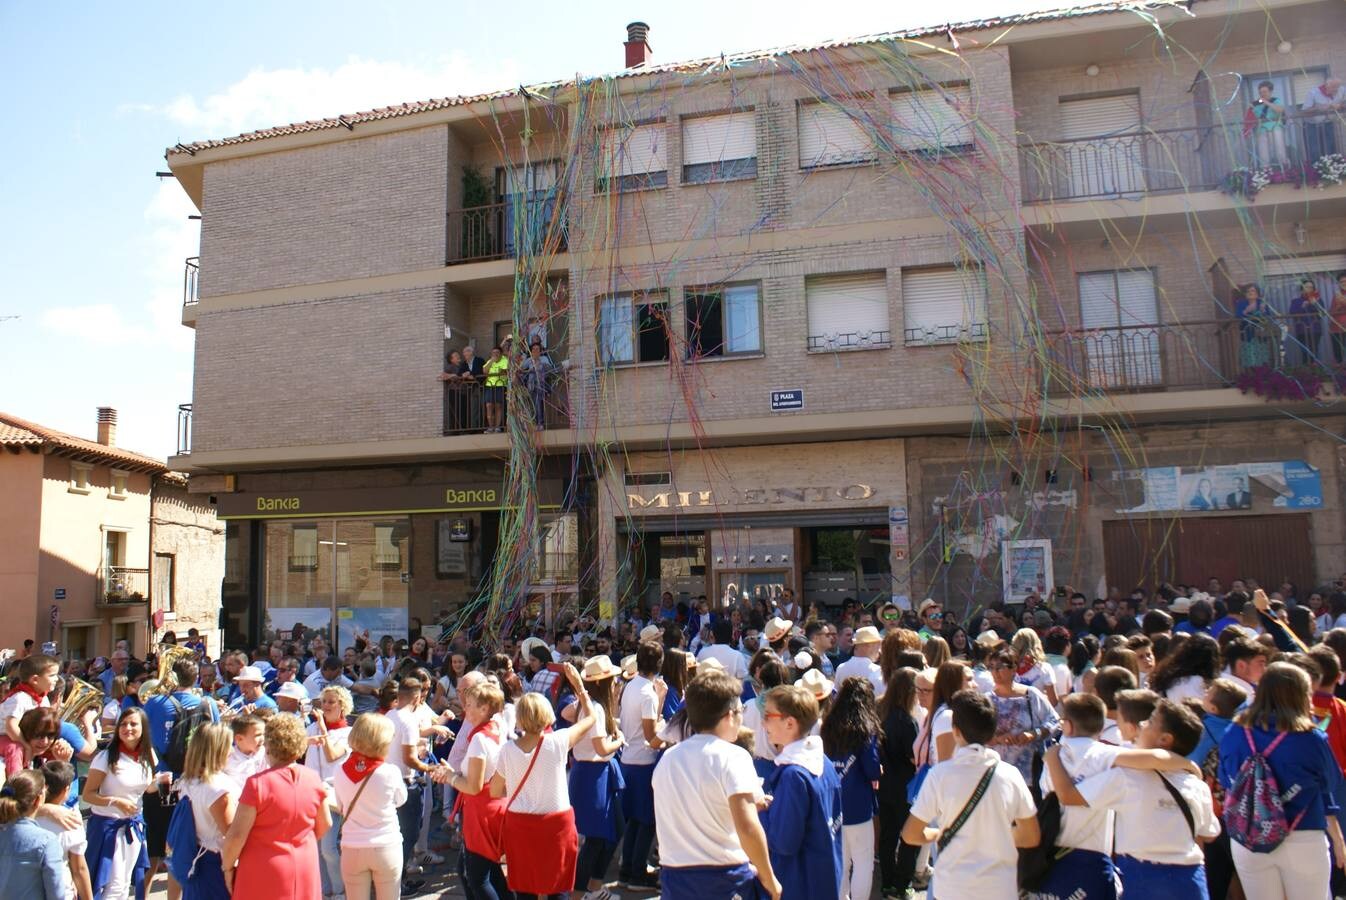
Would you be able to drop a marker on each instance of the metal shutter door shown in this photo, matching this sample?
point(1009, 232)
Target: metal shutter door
point(929, 120)
point(639, 150)
point(846, 309)
point(943, 305)
point(828, 136)
point(711, 139)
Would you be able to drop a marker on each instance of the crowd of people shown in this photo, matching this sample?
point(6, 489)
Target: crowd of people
point(1179, 743)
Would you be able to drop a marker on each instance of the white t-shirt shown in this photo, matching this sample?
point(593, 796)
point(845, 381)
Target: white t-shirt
point(406, 733)
point(981, 860)
point(692, 786)
point(1111, 734)
point(584, 751)
point(72, 841)
point(861, 667)
point(761, 744)
point(727, 656)
point(482, 747)
point(372, 822)
point(1083, 828)
point(1041, 676)
point(546, 790)
point(639, 702)
point(315, 683)
point(1188, 687)
point(1061, 672)
point(17, 704)
point(128, 781)
point(1150, 826)
point(204, 795)
point(316, 757)
point(240, 766)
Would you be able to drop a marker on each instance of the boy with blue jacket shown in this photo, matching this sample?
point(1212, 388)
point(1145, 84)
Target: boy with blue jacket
point(803, 822)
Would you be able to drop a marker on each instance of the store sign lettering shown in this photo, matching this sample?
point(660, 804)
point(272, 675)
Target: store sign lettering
point(751, 497)
point(278, 504)
point(455, 497)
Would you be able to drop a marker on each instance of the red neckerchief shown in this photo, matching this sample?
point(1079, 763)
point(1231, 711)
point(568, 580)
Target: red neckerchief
point(24, 687)
point(1026, 665)
point(333, 725)
point(133, 752)
point(358, 767)
point(384, 710)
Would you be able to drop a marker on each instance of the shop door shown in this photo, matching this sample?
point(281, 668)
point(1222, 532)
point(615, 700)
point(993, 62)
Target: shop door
point(1137, 553)
point(1270, 549)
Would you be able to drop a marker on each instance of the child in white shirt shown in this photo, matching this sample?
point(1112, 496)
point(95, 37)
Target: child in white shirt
point(248, 756)
point(978, 856)
point(1108, 682)
point(1161, 819)
point(36, 677)
point(59, 775)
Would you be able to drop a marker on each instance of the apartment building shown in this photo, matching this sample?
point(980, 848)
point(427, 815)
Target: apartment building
point(943, 312)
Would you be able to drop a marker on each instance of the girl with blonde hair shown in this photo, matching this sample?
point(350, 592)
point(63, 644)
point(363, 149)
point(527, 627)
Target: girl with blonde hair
point(214, 799)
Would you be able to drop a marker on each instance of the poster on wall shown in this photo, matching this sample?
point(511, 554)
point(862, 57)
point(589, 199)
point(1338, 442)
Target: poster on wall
point(371, 623)
point(1026, 568)
point(450, 550)
point(281, 622)
point(1291, 484)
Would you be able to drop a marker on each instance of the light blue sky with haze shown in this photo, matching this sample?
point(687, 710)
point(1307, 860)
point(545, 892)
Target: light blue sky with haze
point(92, 244)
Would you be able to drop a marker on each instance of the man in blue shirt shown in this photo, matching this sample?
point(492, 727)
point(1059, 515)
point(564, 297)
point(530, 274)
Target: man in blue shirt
point(163, 709)
point(117, 666)
point(250, 697)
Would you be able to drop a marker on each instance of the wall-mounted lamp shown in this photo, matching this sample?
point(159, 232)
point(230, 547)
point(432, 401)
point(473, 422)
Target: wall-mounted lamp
point(1284, 47)
point(1091, 70)
point(1301, 234)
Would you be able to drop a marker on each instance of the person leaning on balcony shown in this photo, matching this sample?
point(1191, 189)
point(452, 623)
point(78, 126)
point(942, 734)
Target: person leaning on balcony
point(1306, 322)
point(452, 376)
point(1336, 320)
point(1320, 131)
point(470, 376)
point(535, 373)
point(497, 376)
point(1255, 328)
point(1269, 131)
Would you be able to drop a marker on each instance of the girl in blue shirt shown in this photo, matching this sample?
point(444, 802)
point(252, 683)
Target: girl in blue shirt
point(850, 734)
point(31, 863)
point(676, 671)
point(1307, 776)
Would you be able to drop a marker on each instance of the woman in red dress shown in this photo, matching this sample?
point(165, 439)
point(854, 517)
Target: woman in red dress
point(281, 816)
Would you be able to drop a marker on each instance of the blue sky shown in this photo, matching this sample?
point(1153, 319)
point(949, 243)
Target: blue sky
point(93, 245)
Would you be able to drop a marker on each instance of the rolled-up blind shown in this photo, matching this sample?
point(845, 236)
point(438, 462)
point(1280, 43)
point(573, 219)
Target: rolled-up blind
point(638, 150)
point(851, 304)
point(944, 305)
point(932, 119)
point(709, 139)
point(828, 135)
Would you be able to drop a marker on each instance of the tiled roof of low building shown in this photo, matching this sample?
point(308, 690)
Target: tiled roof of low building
point(17, 433)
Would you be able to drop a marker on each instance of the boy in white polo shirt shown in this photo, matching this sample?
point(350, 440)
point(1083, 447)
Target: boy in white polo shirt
point(975, 797)
point(1159, 818)
point(710, 839)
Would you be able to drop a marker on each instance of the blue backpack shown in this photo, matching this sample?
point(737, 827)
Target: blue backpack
point(181, 837)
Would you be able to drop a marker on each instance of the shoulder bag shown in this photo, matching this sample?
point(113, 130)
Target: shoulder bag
point(541, 849)
point(957, 824)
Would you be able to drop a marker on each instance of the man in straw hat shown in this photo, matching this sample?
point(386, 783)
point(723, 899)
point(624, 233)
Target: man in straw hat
point(777, 634)
point(931, 615)
point(864, 664)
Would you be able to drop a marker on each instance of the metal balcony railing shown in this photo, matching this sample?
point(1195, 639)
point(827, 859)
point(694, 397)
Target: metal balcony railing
point(1186, 356)
point(191, 273)
point(864, 340)
point(184, 429)
point(500, 230)
point(118, 584)
point(465, 405)
point(1169, 160)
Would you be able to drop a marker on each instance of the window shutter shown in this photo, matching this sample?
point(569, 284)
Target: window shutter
point(828, 136)
point(1098, 301)
point(847, 310)
point(639, 150)
point(942, 305)
point(709, 139)
point(1303, 265)
point(1136, 298)
point(1100, 116)
point(932, 119)
point(1302, 84)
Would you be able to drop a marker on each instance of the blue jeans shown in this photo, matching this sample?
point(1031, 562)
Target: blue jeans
point(483, 879)
point(409, 821)
point(329, 860)
point(636, 849)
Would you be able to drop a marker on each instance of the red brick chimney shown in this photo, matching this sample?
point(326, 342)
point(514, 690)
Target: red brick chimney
point(107, 426)
point(637, 45)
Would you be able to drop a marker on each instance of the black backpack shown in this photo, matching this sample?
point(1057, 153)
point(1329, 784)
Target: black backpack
point(1036, 862)
point(180, 734)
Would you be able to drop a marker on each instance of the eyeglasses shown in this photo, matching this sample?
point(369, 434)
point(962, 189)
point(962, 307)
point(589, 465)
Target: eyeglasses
point(775, 715)
point(924, 690)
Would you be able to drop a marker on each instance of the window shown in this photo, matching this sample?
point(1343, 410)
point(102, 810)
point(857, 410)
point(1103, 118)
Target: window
point(304, 548)
point(847, 312)
point(529, 190)
point(944, 306)
point(161, 591)
point(119, 480)
point(719, 148)
point(1119, 315)
point(633, 328)
point(830, 136)
point(1101, 152)
point(723, 321)
point(644, 479)
point(79, 478)
point(387, 553)
point(634, 159)
point(933, 120)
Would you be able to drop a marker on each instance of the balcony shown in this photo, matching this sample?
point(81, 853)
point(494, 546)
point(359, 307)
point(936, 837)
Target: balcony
point(1189, 356)
point(184, 429)
point(484, 233)
point(1171, 160)
point(191, 274)
point(120, 586)
point(465, 407)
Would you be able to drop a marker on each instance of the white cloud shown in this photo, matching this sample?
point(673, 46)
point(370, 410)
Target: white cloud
point(266, 97)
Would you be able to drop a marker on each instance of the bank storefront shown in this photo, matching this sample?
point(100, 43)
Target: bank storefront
point(827, 520)
point(388, 551)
